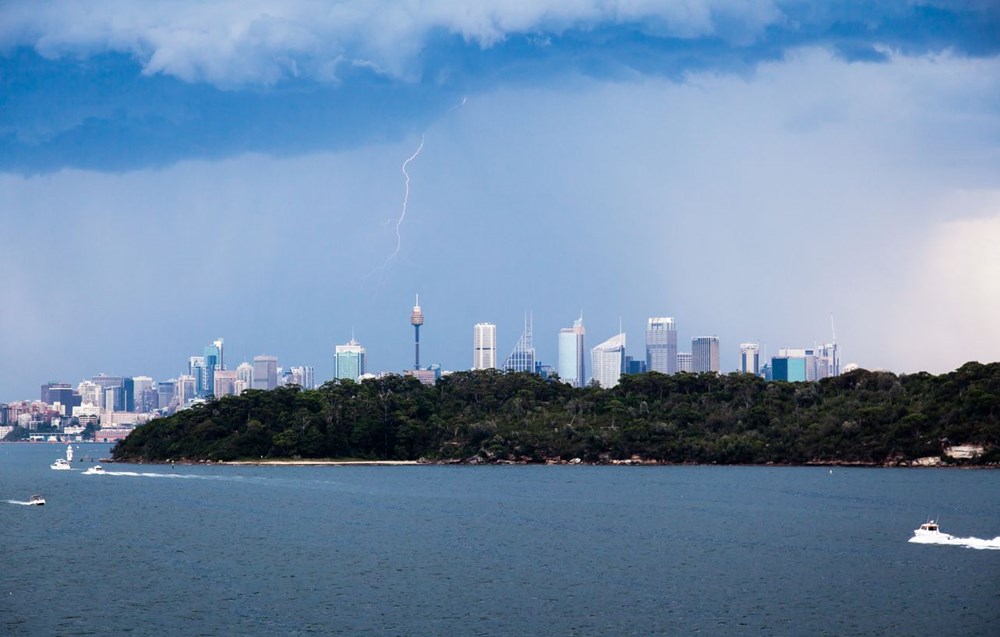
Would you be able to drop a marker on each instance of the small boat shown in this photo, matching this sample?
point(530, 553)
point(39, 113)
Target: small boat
point(930, 530)
point(63, 464)
point(96, 470)
point(36, 500)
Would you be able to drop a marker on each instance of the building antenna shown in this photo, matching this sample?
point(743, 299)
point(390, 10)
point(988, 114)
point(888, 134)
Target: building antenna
point(833, 329)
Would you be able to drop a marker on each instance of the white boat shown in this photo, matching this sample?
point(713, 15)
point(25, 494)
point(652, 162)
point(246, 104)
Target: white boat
point(930, 530)
point(96, 470)
point(36, 500)
point(63, 464)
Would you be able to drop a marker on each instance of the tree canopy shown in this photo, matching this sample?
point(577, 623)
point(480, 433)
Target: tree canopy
point(859, 417)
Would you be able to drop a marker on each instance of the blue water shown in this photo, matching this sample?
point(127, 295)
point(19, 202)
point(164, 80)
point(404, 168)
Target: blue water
point(525, 550)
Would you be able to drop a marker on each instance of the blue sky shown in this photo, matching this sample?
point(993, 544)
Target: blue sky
point(173, 172)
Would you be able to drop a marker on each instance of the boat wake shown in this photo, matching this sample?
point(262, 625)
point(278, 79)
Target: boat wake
point(21, 502)
point(146, 474)
point(966, 542)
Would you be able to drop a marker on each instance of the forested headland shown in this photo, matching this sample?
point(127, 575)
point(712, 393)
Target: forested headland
point(861, 417)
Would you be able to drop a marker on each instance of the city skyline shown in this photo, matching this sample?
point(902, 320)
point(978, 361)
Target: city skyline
point(280, 174)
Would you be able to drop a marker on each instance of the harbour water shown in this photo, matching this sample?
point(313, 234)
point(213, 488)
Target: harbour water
point(526, 550)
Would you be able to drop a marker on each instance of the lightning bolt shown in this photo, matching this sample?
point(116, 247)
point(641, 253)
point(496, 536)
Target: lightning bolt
point(406, 200)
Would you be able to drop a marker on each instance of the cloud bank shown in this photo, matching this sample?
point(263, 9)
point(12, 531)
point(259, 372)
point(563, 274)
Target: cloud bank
point(255, 42)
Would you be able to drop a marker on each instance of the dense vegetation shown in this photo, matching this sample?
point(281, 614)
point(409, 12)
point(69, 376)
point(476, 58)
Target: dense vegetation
point(860, 417)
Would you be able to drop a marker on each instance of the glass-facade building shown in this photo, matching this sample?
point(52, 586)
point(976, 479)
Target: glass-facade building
point(661, 345)
point(349, 361)
point(570, 365)
point(705, 354)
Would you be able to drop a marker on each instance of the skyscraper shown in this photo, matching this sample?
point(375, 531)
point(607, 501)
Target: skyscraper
point(705, 354)
point(607, 361)
point(349, 361)
point(244, 372)
point(484, 345)
point(750, 358)
point(684, 362)
point(416, 320)
point(570, 365)
point(146, 399)
point(522, 359)
point(265, 372)
point(305, 375)
point(166, 394)
point(211, 363)
point(661, 345)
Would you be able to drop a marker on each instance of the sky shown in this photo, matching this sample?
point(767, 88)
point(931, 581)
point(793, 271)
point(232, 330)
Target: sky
point(172, 172)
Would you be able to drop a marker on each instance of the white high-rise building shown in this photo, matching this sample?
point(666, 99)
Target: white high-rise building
point(685, 362)
point(750, 358)
point(90, 393)
point(607, 361)
point(570, 365)
point(661, 345)
point(306, 375)
point(484, 344)
point(244, 372)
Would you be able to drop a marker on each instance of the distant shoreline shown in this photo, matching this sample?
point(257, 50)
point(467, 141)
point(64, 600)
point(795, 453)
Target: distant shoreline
point(468, 462)
point(319, 463)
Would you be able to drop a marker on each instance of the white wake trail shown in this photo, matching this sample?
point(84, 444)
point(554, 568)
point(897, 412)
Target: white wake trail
point(966, 542)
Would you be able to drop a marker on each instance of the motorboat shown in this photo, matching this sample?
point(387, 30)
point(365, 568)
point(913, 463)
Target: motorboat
point(96, 470)
point(36, 500)
point(63, 464)
point(930, 530)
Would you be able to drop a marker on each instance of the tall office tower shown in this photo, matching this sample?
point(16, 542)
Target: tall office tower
point(484, 346)
point(350, 361)
point(265, 372)
point(705, 354)
point(128, 387)
point(106, 381)
point(305, 375)
point(661, 345)
point(166, 394)
point(244, 372)
point(224, 383)
point(114, 399)
point(827, 361)
point(750, 358)
point(240, 386)
point(185, 390)
point(62, 394)
point(221, 362)
point(212, 362)
point(522, 359)
point(145, 399)
point(416, 320)
point(48, 390)
point(90, 393)
point(570, 365)
point(685, 362)
point(607, 361)
point(196, 369)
